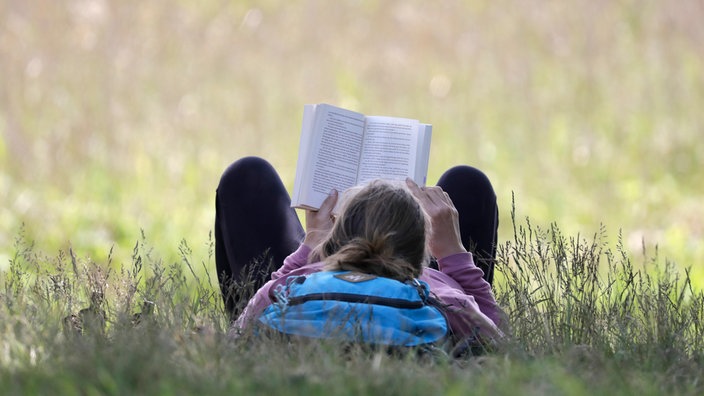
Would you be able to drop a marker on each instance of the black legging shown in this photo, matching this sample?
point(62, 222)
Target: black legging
point(255, 227)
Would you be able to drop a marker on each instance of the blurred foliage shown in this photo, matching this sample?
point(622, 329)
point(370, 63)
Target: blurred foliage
point(118, 116)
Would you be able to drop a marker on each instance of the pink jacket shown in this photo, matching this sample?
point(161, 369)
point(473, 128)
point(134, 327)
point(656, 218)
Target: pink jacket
point(458, 284)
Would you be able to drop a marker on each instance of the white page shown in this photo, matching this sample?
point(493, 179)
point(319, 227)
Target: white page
point(334, 154)
point(390, 149)
point(304, 156)
point(425, 132)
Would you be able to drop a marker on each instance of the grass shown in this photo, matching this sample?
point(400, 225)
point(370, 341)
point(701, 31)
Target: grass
point(582, 319)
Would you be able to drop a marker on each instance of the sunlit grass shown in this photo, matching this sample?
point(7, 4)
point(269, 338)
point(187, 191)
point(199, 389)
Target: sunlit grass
point(581, 320)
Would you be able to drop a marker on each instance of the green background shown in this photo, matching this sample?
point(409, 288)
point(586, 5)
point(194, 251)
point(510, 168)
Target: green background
point(117, 117)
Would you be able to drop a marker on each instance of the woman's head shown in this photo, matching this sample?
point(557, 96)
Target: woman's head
point(381, 230)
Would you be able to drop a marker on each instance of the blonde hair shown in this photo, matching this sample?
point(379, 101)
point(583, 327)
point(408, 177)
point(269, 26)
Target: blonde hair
point(381, 230)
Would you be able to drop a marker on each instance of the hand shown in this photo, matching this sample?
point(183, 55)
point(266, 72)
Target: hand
point(445, 234)
point(319, 222)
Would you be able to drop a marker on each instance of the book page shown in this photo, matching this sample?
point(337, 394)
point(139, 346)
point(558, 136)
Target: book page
point(425, 132)
point(335, 153)
point(304, 155)
point(390, 149)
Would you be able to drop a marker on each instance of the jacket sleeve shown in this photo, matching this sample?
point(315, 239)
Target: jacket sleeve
point(261, 299)
point(462, 269)
point(295, 264)
point(294, 261)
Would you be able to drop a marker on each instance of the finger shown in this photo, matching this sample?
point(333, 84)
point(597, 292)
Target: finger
point(446, 198)
point(434, 194)
point(329, 203)
point(421, 193)
point(413, 186)
point(440, 196)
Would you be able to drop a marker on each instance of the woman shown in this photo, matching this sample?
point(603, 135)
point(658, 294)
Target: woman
point(255, 229)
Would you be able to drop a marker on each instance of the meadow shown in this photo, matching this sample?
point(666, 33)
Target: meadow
point(117, 118)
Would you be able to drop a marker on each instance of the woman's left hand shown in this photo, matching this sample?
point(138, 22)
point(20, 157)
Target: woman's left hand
point(319, 222)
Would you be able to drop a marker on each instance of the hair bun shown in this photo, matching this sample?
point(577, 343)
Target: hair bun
point(371, 249)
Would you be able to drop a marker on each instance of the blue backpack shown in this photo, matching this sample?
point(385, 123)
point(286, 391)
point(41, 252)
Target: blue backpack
point(356, 307)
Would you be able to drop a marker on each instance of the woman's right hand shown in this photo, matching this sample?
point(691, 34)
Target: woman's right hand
point(445, 237)
point(319, 222)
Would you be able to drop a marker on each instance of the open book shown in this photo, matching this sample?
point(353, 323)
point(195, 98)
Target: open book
point(340, 149)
